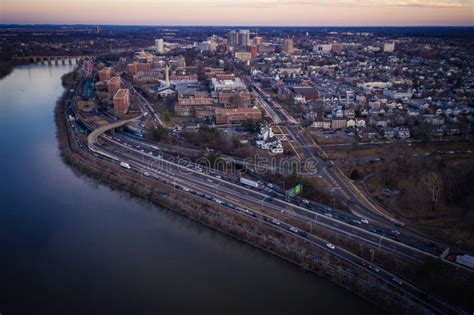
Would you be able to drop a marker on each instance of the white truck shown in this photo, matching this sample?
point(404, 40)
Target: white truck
point(465, 260)
point(249, 182)
point(125, 165)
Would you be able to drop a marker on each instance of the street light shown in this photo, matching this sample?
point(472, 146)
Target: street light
point(372, 251)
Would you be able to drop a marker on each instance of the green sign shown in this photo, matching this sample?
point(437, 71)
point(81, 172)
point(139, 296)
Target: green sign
point(298, 189)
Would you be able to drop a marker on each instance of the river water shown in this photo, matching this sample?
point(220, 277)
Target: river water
point(70, 245)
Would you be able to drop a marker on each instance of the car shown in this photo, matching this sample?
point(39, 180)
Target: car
point(303, 233)
point(276, 222)
point(361, 262)
point(374, 268)
point(305, 201)
point(365, 221)
point(146, 174)
point(270, 185)
point(218, 201)
point(218, 176)
point(331, 246)
point(395, 232)
point(209, 180)
point(294, 230)
point(328, 214)
point(186, 189)
point(397, 280)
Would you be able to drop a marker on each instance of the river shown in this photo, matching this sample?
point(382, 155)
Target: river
point(70, 245)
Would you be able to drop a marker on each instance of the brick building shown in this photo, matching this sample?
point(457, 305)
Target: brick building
point(105, 74)
point(113, 85)
point(308, 92)
point(121, 101)
point(237, 115)
point(235, 99)
point(252, 49)
point(198, 105)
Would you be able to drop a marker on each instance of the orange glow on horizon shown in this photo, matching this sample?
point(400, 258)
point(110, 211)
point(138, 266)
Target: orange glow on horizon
point(243, 12)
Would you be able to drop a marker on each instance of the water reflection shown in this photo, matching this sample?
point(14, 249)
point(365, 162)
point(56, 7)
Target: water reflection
point(73, 245)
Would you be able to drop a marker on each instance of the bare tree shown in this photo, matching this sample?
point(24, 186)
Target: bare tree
point(433, 182)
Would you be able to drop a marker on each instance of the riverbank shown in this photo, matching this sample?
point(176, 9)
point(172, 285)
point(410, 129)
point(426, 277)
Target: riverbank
point(6, 67)
point(255, 233)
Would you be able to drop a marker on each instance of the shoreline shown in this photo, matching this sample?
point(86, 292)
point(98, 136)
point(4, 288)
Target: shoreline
point(283, 245)
point(7, 67)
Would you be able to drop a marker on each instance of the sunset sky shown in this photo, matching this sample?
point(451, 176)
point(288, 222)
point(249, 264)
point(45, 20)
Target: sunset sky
point(240, 12)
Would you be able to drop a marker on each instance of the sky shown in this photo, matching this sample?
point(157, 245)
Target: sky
point(240, 12)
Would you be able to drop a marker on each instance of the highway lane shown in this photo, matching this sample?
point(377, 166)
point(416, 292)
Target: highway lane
point(144, 105)
point(256, 200)
point(351, 222)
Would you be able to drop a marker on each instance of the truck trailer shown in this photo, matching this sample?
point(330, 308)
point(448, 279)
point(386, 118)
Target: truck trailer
point(249, 182)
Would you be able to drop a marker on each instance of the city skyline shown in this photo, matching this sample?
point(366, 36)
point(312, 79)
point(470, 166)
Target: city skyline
point(244, 13)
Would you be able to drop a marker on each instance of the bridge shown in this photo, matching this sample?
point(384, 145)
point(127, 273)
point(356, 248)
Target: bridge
point(49, 59)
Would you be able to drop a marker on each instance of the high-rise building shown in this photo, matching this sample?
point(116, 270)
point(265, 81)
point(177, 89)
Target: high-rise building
point(389, 47)
point(233, 39)
point(207, 46)
point(257, 40)
point(244, 37)
point(121, 101)
point(252, 49)
point(113, 85)
point(105, 74)
point(159, 46)
point(288, 46)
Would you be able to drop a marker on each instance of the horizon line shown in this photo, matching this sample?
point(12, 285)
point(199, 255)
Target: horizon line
point(227, 25)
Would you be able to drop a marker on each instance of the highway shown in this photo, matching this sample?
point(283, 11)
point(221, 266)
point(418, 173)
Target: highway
point(144, 105)
point(190, 179)
point(359, 204)
point(269, 206)
point(311, 211)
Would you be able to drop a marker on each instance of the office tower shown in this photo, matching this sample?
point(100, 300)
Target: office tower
point(233, 39)
point(288, 46)
point(159, 46)
point(244, 37)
